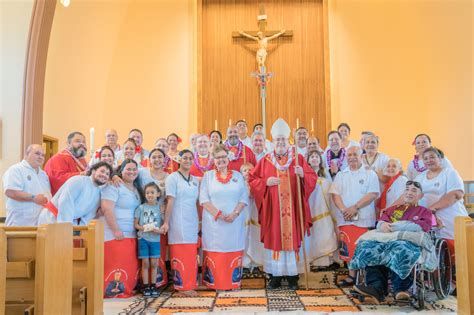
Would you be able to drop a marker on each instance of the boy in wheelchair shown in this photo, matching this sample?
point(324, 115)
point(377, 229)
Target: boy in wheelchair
point(406, 217)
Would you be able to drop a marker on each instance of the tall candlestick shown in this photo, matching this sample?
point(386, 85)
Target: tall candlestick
point(91, 133)
point(312, 124)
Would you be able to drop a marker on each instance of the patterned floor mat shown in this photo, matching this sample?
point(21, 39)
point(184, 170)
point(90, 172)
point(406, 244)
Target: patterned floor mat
point(323, 296)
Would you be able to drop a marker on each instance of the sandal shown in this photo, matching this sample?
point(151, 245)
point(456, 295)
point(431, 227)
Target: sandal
point(349, 281)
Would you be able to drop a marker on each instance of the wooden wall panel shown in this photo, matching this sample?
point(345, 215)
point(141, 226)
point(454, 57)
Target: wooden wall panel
point(299, 87)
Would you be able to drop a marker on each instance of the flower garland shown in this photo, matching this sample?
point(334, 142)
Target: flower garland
point(232, 156)
point(205, 168)
point(339, 162)
point(417, 166)
point(167, 161)
point(226, 179)
point(282, 168)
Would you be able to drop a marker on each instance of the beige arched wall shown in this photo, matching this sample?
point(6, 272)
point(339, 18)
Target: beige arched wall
point(122, 64)
point(400, 68)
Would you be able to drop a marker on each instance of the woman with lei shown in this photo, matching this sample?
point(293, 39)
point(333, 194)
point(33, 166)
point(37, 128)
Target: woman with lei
point(416, 166)
point(173, 141)
point(202, 161)
point(170, 165)
point(223, 196)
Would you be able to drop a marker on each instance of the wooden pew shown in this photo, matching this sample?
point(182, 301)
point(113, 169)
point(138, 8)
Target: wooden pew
point(35, 266)
point(464, 243)
point(88, 269)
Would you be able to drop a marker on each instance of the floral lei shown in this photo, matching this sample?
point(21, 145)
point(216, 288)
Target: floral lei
point(232, 156)
point(205, 168)
point(277, 165)
point(417, 166)
point(339, 162)
point(167, 161)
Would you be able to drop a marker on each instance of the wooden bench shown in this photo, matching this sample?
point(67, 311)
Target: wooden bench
point(88, 269)
point(34, 266)
point(464, 244)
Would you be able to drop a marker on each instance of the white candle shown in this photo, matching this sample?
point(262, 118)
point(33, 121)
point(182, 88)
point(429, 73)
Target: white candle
point(215, 124)
point(230, 122)
point(91, 132)
point(297, 123)
point(312, 124)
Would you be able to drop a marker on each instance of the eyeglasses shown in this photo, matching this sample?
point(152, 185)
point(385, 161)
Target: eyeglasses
point(414, 183)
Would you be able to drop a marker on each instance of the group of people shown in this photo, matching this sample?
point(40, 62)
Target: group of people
point(227, 206)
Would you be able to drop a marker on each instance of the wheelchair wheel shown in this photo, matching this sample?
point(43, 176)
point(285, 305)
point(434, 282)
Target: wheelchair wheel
point(421, 290)
point(442, 276)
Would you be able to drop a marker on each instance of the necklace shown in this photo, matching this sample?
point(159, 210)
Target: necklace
point(232, 156)
point(417, 166)
point(282, 168)
point(339, 161)
point(224, 180)
point(204, 168)
point(366, 157)
point(186, 179)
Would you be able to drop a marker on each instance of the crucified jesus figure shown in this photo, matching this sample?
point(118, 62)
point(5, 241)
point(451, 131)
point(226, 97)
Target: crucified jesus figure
point(262, 45)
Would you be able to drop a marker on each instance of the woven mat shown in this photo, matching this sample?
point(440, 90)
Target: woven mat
point(323, 296)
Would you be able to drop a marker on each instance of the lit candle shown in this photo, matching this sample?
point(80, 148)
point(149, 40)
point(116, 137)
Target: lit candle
point(297, 123)
point(215, 124)
point(91, 133)
point(312, 124)
point(230, 122)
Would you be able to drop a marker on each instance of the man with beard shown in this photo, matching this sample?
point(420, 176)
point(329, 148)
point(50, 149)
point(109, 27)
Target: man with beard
point(67, 163)
point(273, 183)
point(78, 199)
point(301, 140)
point(238, 152)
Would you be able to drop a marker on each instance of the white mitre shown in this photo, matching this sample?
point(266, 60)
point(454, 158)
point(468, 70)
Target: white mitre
point(280, 129)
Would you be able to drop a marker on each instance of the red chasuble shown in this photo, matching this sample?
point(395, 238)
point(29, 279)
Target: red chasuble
point(61, 166)
point(278, 212)
point(246, 156)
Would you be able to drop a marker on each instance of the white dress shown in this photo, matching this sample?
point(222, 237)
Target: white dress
point(323, 240)
point(254, 246)
point(379, 163)
point(77, 201)
point(126, 201)
point(184, 221)
point(433, 189)
point(412, 172)
point(23, 177)
point(220, 236)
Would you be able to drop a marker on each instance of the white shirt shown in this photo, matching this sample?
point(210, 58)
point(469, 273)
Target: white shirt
point(220, 236)
point(126, 201)
point(78, 198)
point(269, 145)
point(352, 186)
point(396, 190)
point(302, 151)
point(433, 189)
point(184, 220)
point(247, 141)
point(144, 178)
point(412, 172)
point(22, 177)
point(379, 164)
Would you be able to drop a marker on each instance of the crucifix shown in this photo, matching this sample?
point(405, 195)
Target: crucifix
point(262, 37)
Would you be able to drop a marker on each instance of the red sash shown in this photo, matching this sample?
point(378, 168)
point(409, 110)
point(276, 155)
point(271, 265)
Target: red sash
point(382, 204)
point(52, 208)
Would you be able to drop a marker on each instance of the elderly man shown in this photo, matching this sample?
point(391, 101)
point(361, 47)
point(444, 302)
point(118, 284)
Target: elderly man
point(273, 183)
point(238, 152)
point(258, 145)
point(141, 155)
point(301, 140)
point(111, 140)
point(67, 163)
point(258, 127)
point(243, 130)
point(78, 199)
point(406, 217)
point(203, 161)
point(353, 192)
point(27, 188)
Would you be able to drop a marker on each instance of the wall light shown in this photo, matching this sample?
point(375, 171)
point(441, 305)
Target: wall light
point(65, 3)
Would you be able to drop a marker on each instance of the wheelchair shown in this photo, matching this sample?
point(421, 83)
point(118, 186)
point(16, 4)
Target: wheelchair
point(438, 281)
